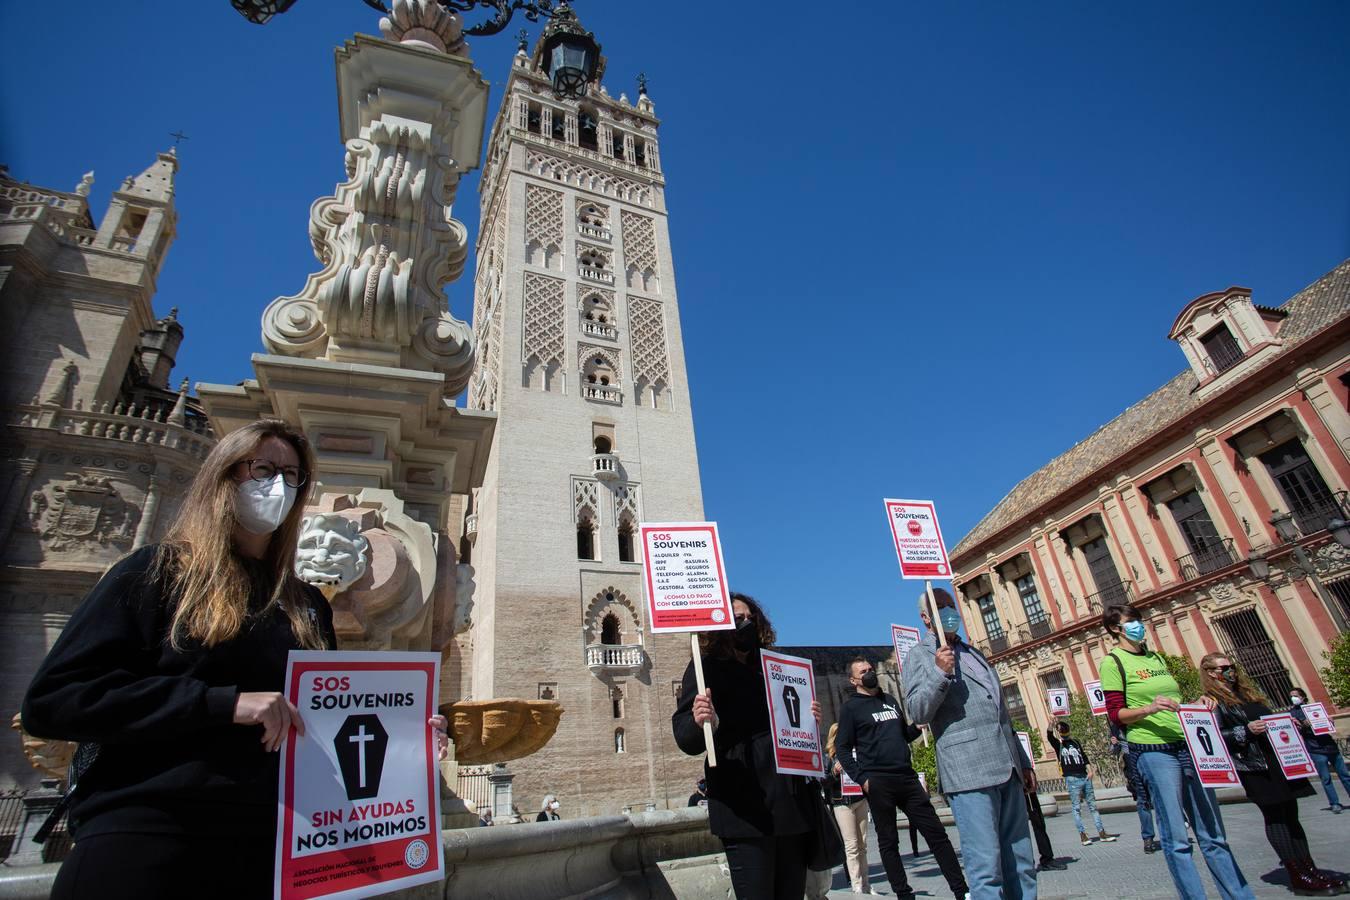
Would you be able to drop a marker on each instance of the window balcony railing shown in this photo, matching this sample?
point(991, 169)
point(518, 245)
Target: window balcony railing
point(1316, 512)
point(1210, 559)
point(590, 231)
point(1040, 628)
point(998, 643)
point(1224, 355)
point(1121, 594)
point(599, 330)
point(602, 393)
point(615, 658)
point(605, 466)
point(600, 275)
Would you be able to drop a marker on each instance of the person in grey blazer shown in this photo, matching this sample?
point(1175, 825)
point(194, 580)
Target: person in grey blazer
point(981, 764)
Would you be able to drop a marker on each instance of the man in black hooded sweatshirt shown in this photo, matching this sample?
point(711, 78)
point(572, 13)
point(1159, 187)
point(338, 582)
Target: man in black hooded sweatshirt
point(873, 747)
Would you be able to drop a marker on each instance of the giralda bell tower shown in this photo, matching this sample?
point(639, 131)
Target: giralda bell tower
point(580, 355)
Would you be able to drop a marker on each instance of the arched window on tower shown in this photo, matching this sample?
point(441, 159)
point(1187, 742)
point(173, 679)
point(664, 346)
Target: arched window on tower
point(618, 740)
point(586, 537)
point(609, 630)
point(588, 129)
point(599, 371)
point(616, 701)
point(602, 444)
point(626, 541)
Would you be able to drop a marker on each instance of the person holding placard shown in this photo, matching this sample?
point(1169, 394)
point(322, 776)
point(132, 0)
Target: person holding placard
point(851, 814)
point(1239, 708)
point(984, 770)
point(873, 742)
point(1076, 768)
point(174, 666)
point(1325, 752)
point(766, 821)
point(1143, 698)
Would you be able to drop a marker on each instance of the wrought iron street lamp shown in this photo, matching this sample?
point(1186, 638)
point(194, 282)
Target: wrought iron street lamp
point(1340, 530)
point(260, 11)
point(1287, 531)
point(1284, 526)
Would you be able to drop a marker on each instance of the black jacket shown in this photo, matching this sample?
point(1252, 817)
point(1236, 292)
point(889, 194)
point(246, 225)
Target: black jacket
point(747, 798)
point(873, 737)
point(170, 760)
point(1073, 759)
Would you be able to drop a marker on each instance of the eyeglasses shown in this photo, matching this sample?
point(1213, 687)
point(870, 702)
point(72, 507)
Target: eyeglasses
point(264, 470)
point(1222, 670)
point(741, 620)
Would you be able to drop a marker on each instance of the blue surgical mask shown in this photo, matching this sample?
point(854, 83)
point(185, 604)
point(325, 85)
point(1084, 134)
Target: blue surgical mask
point(1135, 631)
point(950, 619)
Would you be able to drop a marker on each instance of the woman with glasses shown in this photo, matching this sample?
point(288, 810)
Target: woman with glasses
point(174, 666)
point(1142, 697)
point(765, 820)
point(1240, 707)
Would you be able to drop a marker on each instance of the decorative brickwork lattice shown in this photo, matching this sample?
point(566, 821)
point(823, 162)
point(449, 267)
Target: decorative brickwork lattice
point(543, 217)
point(585, 500)
point(639, 243)
point(647, 328)
point(545, 331)
point(587, 178)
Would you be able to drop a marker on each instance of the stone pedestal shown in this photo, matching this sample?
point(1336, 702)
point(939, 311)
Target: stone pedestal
point(36, 807)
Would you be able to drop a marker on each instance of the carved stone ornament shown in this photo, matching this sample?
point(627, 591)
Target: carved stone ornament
point(83, 509)
point(1005, 671)
point(331, 553)
point(1223, 592)
point(1330, 558)
point(386, 237)
point(493, 731)
point(1044, 654)
point(424, 23)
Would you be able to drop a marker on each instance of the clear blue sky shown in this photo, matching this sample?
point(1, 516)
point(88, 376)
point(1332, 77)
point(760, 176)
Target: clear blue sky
point(920, 248)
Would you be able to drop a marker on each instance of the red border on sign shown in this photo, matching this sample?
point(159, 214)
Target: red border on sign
point(923, 571)
point(1323, 725)
point(1087, 689)
point(1297, 770)
point(697, 618)
point(1059, 712)
point(380, 853)
point(787, 758)
point(1208, 777)
point(896, 631)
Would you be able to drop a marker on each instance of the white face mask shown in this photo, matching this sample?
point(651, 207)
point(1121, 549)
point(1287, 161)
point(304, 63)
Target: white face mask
point(555, 804)
point(1295, 699)
point(261, 506)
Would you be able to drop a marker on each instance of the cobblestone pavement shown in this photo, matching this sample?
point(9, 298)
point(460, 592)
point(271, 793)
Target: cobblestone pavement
point(1123, 870)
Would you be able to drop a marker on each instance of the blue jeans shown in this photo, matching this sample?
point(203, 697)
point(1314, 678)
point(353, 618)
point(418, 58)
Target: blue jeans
point(996, 841)
point(1325, 765)
point(1146, 831)
point(1078, 788)
point(1172, 784)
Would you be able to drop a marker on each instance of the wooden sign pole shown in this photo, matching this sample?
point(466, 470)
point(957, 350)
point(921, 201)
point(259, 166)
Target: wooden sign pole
point(702, 688)
point(932, 612)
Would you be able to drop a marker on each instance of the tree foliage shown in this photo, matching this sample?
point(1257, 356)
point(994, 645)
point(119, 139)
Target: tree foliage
point(1187, 676)
point(1036, 741)
point(1336, 673)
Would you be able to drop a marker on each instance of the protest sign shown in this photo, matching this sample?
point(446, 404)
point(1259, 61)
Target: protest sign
point(1058, 698)
point(358, 811)
point(1026, 744)
point(686, 585)
point(1318, 719)
point(918, 539)
point(1208, 751)
point(848, 787)
point(1289, 747)
point(790, 689)
point(685, 577)
point(1096, 697)
point(923, 781)
point(904, 638)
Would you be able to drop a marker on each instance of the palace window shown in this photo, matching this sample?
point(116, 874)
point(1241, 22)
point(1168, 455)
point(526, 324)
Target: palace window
point(1012, 698)
point(993, 626)
point(1209, 551)
point(1302, 486)
point(1244, 638)
point(1031, 600)
point(1222, 349)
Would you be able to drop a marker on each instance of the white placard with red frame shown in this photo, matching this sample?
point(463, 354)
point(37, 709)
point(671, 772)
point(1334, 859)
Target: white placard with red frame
point(685, 577)
point(1289, 748)
point(1058, 699)
point(1096, 697)
point(358, 811)
point(790, 689)
point(918, 539)
point(848, 787)
point(905, 639)
point(1318, 720)
point(1209, 753)
point(1026, 745)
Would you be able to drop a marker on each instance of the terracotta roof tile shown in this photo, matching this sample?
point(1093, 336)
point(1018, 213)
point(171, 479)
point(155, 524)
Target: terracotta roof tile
point(1322, 303)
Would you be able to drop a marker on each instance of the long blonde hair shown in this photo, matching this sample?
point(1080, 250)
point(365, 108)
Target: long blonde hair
point(1213, 685)
point(197, 556)
point(829, 739)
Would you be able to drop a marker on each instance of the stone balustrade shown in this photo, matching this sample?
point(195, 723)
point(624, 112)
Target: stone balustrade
point(119, 423)
point(600, 275)
point(606, 466)
point(610, 657)
point(599, 330)
point(604, 393)
point(590, 231)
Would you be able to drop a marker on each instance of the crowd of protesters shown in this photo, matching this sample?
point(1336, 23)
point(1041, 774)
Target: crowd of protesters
point(777, 842)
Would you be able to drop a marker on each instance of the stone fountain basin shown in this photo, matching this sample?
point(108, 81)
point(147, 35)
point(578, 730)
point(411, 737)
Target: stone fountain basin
point(493, 731)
